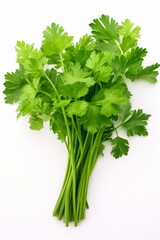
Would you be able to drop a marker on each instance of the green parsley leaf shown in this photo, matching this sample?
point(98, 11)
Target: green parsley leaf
point(98, 64)
point(76, 74)
point(137, 54)
point(109, 47)
point(30, 58)
point(134, 62)
point(126, 112)
point(54, 59)
point(97, 61)
point(86, 42)
point(55, 40)
point(110, 100)
point(62, 103)
point(45, 86)
point(128, 30)
point(28, 93)
point(36, 123)
point(93, 120)
point(105, 28)
point(128, 43)
point(104, 75)
point(58, 126)
point(80, 53)
point(75, 90)
point(34, 107)
point(149, 73)
point(93, 61)
point(136, 124)
point(101, 148)
point(77, 108)
point(14, 84)
point(120, 146)
point(119, 65)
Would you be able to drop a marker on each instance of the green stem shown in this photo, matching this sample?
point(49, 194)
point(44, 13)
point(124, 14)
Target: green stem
point(61, 61)
point(91, 159)
point(96, 154)
point(118, 45)
point(85, 147)
point(47, 94)
point(80, 196)
point(70, 152)
point(78, 133)
point(66, 178)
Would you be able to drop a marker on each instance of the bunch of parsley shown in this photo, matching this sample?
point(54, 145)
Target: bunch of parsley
point(81, 90)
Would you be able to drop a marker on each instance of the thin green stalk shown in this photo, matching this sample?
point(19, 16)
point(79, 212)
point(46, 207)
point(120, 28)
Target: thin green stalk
point(92, 156)
point(83, 150)
point(70, 146)
point(74, 174)
point(47, 94)
point(85, 179)
point(80, 193)
point(78, 133)
point(67, 200)
point(61, 61)
point(61, 209)
point(82, 183)
point(66, 178)
point(98, 142)
point(118, 45)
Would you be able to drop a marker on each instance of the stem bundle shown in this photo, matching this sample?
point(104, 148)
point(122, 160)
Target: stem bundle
point(82, 155)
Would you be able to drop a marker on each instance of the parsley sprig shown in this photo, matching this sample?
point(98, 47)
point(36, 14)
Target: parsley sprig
point(81, 90)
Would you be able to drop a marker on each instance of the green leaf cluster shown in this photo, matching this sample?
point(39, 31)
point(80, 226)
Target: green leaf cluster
point(81, 90)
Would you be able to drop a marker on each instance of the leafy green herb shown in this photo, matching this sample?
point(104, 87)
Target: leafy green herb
point(120, 146)
point(135, 125)
point(81, 90)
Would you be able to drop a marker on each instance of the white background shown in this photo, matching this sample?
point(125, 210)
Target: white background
point(124, 194)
